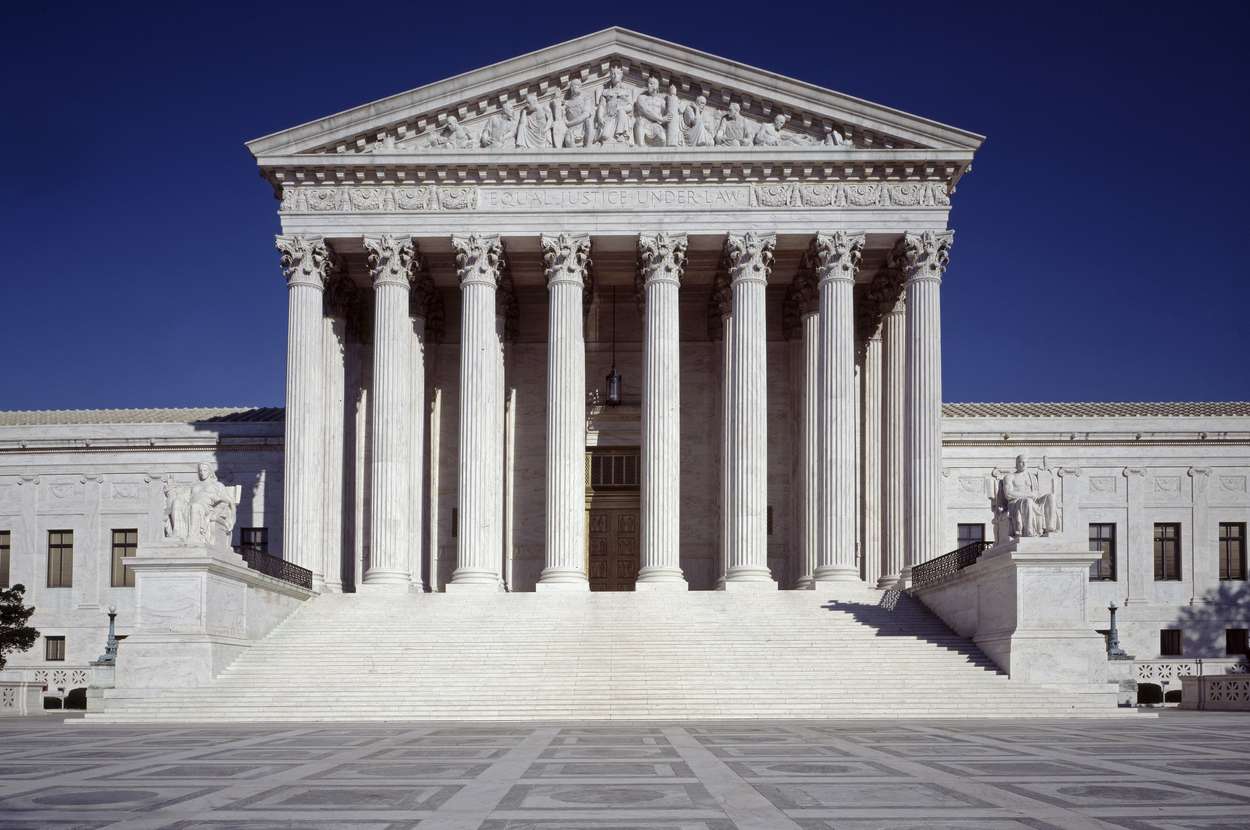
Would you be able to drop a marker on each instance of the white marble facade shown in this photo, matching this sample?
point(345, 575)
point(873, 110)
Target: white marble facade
point(760, 259)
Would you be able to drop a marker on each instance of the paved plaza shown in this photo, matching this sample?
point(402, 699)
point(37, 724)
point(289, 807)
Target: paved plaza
point(1182, 770)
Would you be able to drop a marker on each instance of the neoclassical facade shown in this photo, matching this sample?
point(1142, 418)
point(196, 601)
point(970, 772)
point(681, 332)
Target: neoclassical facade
point(615, 316)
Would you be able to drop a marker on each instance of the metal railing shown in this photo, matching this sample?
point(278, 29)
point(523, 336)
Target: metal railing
point(275, 567)
point(935, 570)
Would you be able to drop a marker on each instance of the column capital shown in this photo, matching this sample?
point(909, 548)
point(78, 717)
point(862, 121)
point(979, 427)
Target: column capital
point(305, 260)
point(479, 259)
point(661, 257)
point(393, 260)
point(566, 258)
point(835, 256)
point(749, 257)
point(923, 256)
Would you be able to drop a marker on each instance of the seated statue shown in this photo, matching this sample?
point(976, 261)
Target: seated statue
point(1027, 499)
point(202, 513)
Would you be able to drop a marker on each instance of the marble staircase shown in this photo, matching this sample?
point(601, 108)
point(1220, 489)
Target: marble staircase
point(527, 656)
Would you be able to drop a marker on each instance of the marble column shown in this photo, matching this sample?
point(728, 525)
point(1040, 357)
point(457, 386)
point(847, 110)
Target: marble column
point(893, 436)
point(661, 261)
point(392, 262)
point(418, 310)
point(870, 458)
point(566, 260)
point(750, 260)
point(922, 257)
point(305, 263)
point(809, 435)
point(835, 258)
point(721, 312)
point(479, 265)
point(334, 469)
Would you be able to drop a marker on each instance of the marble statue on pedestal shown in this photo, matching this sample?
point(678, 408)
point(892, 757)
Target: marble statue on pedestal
point(201, 513)
point(651, 117)
point(615, 103)
point(695, 131)
point(1027, 499)
point(733, 128)
point(500, 129)
point(535, 129)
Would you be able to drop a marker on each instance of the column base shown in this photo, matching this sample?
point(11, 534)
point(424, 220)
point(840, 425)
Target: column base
point(562, 579)
point(887, 581)
point(747, 579)
point(473, 588)
point(383, 588)
point(562, 587)
point(904, 579)
point(804, 583)
point(660, 579)
point(332, 588)
point(837, 573)
point(379, 581)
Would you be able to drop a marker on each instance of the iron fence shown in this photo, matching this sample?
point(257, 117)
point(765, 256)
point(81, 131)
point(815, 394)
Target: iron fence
point(935, 570)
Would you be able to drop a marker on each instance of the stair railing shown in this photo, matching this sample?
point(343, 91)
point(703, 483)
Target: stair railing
point(947, 565)
point(273, 566)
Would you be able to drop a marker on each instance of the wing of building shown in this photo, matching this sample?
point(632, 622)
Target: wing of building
point(617, 315)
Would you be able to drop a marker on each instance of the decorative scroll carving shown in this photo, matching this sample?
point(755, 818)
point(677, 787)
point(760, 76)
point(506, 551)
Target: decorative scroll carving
point(750, 256)
point(305, 259)
point(835, 255)
point(566, 257)
point(392, 259)
point(661, 257)
point(923, 255)
point(201, 513)
point(479, 258)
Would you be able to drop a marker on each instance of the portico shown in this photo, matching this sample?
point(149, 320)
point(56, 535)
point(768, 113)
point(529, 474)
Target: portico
point(766, 269)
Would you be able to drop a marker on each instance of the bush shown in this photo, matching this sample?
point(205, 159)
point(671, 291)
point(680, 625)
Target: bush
point(1172, 696)
point(76, 699)
point(1149, 693)
point(52, 703)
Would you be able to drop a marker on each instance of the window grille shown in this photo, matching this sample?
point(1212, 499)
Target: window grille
point(1167, 552)
point(125, 543)
point(1170, 643)
point(1233, 550)
point(614, 469)
point(970, 533)
point(54, 648)
point(1102, 540)
point(60, 558)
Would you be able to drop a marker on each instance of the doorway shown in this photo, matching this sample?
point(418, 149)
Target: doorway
point(613, 514)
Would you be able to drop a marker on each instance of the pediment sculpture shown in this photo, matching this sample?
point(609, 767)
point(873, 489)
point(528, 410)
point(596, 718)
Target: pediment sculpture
point(202, 512)
point(1025, 503)
point(615, 114)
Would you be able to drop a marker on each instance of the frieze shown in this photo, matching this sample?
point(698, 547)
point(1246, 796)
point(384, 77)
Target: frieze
point(431, 198)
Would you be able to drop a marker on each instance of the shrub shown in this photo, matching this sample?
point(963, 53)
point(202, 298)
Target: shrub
point(1149, 693)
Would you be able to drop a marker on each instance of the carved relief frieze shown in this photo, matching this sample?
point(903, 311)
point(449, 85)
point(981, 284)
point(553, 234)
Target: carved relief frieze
point(429, 198)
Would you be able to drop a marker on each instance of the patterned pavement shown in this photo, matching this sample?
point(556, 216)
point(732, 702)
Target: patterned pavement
point(1182, 771)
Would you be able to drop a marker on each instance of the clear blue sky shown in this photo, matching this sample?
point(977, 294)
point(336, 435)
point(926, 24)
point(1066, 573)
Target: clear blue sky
point(1105, 223)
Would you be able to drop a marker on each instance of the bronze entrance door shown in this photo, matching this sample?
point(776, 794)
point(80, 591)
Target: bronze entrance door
point(612, 521)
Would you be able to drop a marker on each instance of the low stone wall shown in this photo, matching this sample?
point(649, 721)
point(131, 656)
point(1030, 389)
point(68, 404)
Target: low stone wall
point(20, 697)
point(1023, 603)
point(198, 609)
point(1216, 692)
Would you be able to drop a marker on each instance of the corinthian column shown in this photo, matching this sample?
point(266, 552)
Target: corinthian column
point(419, 300)
point(305, 262)
point(893, 437)
point(870, 456)
point(750, 261)
point(922, 258)
point(479, 264)
point(566, 260)
point(835, 258)
point(339, 296)
point(807, 298)
point(661, 260)
point(392, 262)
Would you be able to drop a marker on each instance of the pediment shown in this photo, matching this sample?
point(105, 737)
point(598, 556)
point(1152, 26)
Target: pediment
point(613, 90)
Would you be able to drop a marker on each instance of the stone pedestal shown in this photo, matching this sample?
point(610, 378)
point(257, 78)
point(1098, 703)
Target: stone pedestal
point(1122, 675)
point(1031, 611)
point(197, 609)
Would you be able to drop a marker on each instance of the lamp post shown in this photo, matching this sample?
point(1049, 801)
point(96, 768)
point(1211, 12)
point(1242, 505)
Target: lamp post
point(110, 646)
point(1114, 652)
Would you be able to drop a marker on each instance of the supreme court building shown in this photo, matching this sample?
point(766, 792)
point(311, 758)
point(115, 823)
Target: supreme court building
point(622, 316)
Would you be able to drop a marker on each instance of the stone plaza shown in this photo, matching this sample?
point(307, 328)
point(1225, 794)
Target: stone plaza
point(614, 392)
point(1184, 771)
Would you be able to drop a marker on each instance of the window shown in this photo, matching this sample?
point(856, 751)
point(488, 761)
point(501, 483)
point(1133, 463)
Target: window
point(253, 540)
point(1232, 550)
point(1235, 642)
point(614, 469)
point(60, 558)
point(54, 648)
point(1170, 643)
point(1102, 540)
point(970, 534)
point(125, 543)
point(1167, 551)
point(4, 558)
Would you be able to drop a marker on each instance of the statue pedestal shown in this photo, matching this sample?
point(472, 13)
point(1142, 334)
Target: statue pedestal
point(198, 608)
point(1023, 604)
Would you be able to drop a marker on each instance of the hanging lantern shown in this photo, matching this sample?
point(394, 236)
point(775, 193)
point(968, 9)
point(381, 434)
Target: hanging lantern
point(614, 377)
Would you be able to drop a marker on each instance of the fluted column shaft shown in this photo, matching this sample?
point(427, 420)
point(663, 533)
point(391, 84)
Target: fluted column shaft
point(305, 263)
point(923, 258)
point(416, 438)
point(334, 468)
point(893, 438)
point(836, 259)
point(809, 448)
point(662, 259)
point(567, 260)
point(392, 260)
point(870, 458)
point(726, 437)
point(479, 263)
point(750, 263)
